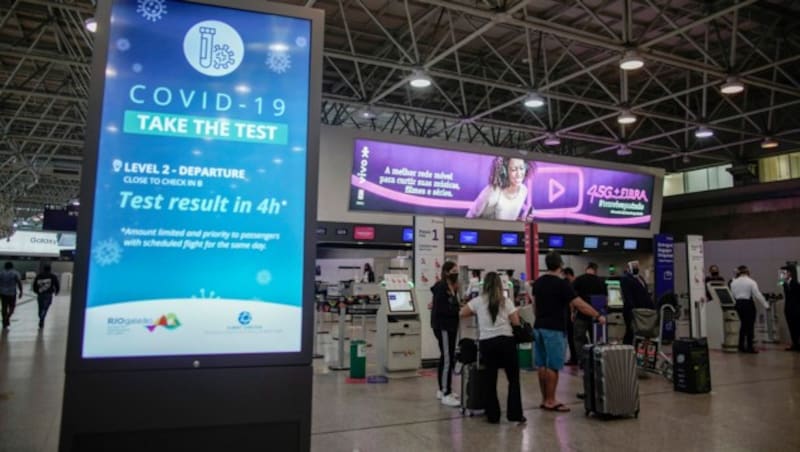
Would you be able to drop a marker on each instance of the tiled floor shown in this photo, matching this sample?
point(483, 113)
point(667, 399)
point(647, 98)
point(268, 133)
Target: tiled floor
point(755, 406)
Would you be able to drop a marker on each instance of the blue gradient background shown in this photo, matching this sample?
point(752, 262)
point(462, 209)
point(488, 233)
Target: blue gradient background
point(154, 273)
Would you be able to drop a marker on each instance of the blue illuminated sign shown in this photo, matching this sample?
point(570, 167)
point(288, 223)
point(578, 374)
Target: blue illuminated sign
point(198, 224)
point(590, 242)
point(408, 235)
point(630, 244)
point(556, 241)
point(509, 239)
point(468, 237)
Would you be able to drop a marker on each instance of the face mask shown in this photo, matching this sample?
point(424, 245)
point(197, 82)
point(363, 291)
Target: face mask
point(635, 270)
point(715, 274)
point(452, 277)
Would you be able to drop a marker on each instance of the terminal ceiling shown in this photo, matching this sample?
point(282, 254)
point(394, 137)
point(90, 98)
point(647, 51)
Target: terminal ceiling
point(484, 58)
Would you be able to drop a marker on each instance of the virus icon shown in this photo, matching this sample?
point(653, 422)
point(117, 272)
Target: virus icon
point(279, 62)
point(152, 10)
point(223, 56)
point(107, 252)
point(264, 277)
point(211, 295)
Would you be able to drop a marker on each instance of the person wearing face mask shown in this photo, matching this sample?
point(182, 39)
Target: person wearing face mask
point(791, 292)
point(713, 275)
point(634, 296)
point(445, 310)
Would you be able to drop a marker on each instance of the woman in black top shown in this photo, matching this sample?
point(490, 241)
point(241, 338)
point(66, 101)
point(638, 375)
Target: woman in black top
point(369, 275)
point(444, 321)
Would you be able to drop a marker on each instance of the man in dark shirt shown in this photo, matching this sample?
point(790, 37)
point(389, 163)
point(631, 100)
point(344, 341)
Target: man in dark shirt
point(553, 298)
point(45, 285)
point(569, 275)
point(791, 290)
point(713, 275)
point(586, 286)
point(634, 296)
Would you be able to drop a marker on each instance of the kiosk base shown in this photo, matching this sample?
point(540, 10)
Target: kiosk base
point(242, 409)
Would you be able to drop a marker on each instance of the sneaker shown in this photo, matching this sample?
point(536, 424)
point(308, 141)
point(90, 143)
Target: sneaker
point(439, 394)
point(450, 400)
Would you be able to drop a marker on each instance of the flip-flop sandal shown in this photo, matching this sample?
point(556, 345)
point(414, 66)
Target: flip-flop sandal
point(560, 408)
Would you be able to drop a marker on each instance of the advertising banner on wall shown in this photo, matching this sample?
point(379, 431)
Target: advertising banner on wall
point(664, 252)
point(401, 178)
point(198, 219)
point(37, 243)
point(697, 288)
point(428, 260)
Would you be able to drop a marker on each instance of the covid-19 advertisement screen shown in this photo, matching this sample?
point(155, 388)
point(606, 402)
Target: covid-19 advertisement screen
point(198, 219)
point(402, 178)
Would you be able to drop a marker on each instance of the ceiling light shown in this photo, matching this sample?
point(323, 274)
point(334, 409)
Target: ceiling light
point(769, 143)
point(552, 140)
point(703, 132)
point(732, 85)
point(368, 113)
point(624, 150)
point(626, 117)
point(420, 80)
point(534, 100)
point(631, 61)
point(90, 24)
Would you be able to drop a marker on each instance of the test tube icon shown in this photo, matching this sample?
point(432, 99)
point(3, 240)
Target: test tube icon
point(206, 46)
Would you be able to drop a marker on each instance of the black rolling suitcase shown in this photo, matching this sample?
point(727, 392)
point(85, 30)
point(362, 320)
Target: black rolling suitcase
point(610, 380)
point(473, 400)
point(473, 378)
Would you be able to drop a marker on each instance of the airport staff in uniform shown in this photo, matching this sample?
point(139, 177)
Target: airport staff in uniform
point(745, 290)
point(791, 292)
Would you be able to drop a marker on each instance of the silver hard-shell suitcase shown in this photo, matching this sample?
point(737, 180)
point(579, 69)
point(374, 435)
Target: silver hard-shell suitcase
point(612, 383)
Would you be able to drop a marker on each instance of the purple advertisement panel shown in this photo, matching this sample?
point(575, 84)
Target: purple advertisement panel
point(401, 178)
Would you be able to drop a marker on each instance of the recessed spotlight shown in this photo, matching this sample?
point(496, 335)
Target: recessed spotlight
point(533, 100)
point(624, 150)
point(703, 132)
point(732, 85)
point(552, 140)
point(420, 79)
point(631, 61)
point(769, 143)
point(90, 24)
point(626, 117)
point(368, 113)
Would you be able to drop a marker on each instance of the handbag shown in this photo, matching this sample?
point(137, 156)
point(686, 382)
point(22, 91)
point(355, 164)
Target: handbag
point(523, 333)
point(645, 322)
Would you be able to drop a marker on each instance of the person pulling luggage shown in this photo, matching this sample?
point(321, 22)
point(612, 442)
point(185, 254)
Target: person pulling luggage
point(496, 314)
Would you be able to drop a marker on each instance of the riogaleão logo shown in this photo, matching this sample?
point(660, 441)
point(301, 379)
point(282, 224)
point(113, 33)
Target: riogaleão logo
point(169, 321)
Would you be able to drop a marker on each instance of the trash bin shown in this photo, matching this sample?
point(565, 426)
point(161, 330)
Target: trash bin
point(525, 355)
point(358, 359)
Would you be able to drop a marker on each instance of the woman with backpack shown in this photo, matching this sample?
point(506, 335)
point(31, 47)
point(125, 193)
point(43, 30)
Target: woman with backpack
point(496, 314)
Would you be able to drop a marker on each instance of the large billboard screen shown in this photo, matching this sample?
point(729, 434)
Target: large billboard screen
point(199, 209)
point(401, 178)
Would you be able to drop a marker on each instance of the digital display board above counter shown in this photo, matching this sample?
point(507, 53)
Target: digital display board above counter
point(401, 178)
point(202, 154)
point(401, 237)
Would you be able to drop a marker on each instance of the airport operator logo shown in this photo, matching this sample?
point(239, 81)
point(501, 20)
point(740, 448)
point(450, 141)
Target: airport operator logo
point(169, 321)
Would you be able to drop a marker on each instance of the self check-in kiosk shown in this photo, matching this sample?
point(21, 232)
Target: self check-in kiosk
point(615, 319)
point(723, 320)
point(399, 339)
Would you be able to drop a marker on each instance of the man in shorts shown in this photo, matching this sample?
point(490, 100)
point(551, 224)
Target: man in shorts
point(553, 299)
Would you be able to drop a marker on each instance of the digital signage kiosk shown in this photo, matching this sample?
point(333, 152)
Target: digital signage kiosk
point(190, 327)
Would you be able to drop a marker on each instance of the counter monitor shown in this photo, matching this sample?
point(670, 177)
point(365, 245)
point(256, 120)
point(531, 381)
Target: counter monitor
point(400, 301)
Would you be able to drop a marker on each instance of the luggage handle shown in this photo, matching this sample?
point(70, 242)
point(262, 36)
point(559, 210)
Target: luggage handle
point(604, 329)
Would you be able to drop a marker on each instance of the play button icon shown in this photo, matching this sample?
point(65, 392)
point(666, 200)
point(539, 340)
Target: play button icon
point(555, 190)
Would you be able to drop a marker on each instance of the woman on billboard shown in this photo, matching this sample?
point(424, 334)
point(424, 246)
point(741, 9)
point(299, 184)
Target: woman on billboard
point(507, 192)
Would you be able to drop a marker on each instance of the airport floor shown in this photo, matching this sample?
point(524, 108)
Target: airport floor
point(754, 406)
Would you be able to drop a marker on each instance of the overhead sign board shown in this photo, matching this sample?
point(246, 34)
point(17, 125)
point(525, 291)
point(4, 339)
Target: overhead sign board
point(402, 178)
